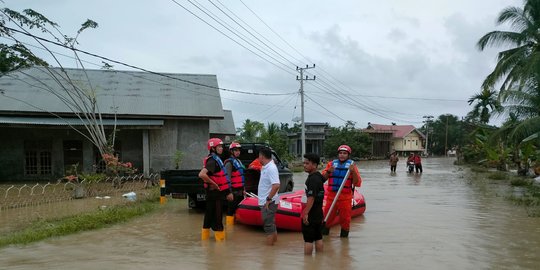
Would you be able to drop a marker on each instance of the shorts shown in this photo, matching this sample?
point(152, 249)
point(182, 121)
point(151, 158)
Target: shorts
point(269, 218)
point(312, 232)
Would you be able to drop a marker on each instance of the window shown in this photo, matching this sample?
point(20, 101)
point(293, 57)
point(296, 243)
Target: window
point(37, 158)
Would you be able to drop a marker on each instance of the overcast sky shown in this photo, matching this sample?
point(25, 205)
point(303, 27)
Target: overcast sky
point(376, 61)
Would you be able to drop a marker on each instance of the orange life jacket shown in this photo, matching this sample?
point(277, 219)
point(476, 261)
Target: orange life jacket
point(219, 177)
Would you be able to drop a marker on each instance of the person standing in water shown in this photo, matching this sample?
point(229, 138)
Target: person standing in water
point(312, 214)
point(335, 172)
point(393, 162)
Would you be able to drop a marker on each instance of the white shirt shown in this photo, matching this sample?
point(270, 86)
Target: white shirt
point(269, 176)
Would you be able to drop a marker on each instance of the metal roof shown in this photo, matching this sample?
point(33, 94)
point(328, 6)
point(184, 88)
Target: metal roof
point(122, 92)
point(55, 121)
point(225, 126)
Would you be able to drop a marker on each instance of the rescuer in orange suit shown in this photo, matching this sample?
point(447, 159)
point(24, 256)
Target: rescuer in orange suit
point(335, 172)
point(255, 165)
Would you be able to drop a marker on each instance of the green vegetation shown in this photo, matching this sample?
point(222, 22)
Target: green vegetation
point(498, 176)
point(44, 229)
point(276, 136)
point(516, 144)
point(359, 142)
point(521, 190)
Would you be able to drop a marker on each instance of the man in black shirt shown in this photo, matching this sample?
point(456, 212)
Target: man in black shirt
point(312, 215)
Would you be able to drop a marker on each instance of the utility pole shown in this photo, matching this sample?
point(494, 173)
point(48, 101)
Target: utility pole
point(428, 119)
point(446, 138)
point(302, 79)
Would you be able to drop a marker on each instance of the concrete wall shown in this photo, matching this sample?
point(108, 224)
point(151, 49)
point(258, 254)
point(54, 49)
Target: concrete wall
point(188, 136)
point(12, 158)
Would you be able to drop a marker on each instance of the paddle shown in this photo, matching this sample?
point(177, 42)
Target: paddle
point(337, 195)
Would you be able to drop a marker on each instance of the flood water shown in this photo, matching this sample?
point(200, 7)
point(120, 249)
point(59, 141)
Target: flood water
point(438, 220)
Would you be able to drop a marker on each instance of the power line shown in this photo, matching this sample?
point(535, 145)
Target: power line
point(262, 36)
point(143, 69)
point(232, 39)
point(409, 98)
point(337, 116)
point(361, 106)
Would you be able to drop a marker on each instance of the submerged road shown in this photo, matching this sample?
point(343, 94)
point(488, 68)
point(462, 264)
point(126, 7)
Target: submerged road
point(440, 219)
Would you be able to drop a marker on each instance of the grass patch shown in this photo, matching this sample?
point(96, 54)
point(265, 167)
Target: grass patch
point(498, 176)
point(520, 182)
point(90, 221)
point(478, 169)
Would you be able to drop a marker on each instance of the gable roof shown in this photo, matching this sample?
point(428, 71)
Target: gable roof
point(398, 131)
point(128, 93)
point(225, 126)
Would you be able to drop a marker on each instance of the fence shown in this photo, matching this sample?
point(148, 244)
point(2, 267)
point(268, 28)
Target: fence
point(24, 203)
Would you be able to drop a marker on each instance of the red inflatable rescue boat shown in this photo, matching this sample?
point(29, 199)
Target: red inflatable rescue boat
point(288, 214)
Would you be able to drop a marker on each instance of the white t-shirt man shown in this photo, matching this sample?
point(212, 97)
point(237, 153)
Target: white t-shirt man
point(269, 176)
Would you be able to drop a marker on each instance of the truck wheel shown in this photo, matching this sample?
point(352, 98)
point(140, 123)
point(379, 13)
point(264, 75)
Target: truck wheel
point(192, 203)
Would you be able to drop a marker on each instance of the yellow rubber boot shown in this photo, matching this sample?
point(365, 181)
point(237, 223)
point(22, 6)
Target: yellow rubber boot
point(205, 234)
point(219, 235)
point(229, 220)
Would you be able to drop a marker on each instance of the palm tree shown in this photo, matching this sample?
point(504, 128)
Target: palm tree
point(251, 131)
point(517, 64)
point(484, 102)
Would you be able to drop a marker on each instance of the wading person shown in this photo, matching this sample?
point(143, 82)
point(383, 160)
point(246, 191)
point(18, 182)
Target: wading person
point(312, 214)
point(218, 187)
point(393, 162)
point(335, 173)
point(410, 163)
point(235, 169)
point(267, 192)
point(417, 162)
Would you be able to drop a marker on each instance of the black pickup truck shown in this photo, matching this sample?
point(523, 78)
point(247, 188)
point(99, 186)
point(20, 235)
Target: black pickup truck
point(181, 182)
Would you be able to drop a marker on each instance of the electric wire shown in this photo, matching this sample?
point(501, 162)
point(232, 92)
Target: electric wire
point(232, 39)
point(143, 69)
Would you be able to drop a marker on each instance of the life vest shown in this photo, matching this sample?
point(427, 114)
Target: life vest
point(221, 178)
point(237, 174)
point(336, 178)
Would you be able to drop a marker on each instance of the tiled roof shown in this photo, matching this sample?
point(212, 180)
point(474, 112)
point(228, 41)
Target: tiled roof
point(399, 131)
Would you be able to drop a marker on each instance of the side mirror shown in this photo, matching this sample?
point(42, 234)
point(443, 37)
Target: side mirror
point(285, 164)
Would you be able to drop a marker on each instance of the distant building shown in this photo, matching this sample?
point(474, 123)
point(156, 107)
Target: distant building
point(403, 139)
point(315, 135)
point(155, 116)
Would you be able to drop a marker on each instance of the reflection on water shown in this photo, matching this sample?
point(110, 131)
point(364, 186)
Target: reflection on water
point(434, 220)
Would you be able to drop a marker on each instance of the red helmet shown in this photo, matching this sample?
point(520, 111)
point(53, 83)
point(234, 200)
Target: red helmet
point(344, 147)
point(234, 145)
point(213, 142)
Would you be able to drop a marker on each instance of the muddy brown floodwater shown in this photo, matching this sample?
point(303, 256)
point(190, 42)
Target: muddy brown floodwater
point(437, 220)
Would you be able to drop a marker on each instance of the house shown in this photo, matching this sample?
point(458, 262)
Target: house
point(155, 116)
point(403, 139)
point(223, 129)
point(315, 135)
